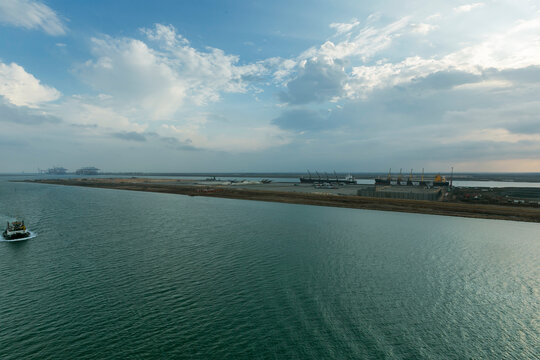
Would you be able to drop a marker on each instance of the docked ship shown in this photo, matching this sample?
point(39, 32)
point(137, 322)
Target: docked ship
point(16, 230)
point(349, 179)
point(440, 181)
point(384, 181)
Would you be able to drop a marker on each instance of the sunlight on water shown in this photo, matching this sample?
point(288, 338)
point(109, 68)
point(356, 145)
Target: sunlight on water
point(132, 274)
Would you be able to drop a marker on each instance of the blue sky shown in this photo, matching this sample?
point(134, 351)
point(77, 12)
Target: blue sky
point(270, 86)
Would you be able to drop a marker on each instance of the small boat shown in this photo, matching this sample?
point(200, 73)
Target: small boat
point(16, 231)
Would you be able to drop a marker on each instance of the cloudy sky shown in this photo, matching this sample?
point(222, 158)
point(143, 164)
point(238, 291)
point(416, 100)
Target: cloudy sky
point(196, 86)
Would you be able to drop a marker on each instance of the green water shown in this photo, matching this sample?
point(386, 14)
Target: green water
point(120, 274)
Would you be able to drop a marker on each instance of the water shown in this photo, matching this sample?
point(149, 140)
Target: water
point(140, 275)
point(496, 184)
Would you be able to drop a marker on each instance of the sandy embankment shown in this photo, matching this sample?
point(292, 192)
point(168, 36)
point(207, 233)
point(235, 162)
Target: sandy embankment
point(189, 187)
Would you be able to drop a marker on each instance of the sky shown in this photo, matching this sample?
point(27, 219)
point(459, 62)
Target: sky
point(270, 86)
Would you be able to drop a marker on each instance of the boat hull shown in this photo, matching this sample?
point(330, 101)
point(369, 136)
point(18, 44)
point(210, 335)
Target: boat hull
point(15, 235)
point(382, 182)
point(441, 183)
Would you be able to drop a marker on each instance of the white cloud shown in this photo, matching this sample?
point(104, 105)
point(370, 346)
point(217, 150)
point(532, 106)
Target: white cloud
point(475, 101)
point(490, 84)
point(95, 117)
point(257, 138)
point(161, 79)
point(392, 82)
point(31, 15)
point(318, 80)
point(135, 76)
point(422, 28)
point(284, 68)
point(229, 137)
point(165, 34)
point(363, 45)
point(360, 45)
point(23, 89)
point(342, 28)
point(498, 135)
point(467, 7)
point(434, 16)
point(517, 47)
point(515, 165)
point(163, 74)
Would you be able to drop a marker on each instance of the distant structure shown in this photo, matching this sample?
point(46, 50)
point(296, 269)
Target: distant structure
point(349, 179)
point(438, 181)
point(57, 170)
point(89, 170)
point(402, 192)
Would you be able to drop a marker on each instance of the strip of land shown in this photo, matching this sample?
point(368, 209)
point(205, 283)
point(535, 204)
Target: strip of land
point(294, 194)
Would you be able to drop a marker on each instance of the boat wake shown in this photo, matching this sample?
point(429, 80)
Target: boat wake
point(32, 235)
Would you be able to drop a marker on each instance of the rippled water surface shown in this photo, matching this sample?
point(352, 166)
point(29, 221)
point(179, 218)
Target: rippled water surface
point(141, 275)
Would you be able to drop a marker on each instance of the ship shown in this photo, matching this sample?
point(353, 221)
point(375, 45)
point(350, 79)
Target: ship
point(349, 179)
point(384, 181)
point(440, 181)
point(15, 231)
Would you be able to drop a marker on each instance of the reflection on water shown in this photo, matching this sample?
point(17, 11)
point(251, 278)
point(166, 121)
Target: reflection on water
point(150, 275)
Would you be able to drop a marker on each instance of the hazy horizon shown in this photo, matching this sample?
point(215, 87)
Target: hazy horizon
point(290, 173)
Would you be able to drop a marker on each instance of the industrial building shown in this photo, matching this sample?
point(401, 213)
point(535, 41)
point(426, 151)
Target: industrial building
point(401, 192)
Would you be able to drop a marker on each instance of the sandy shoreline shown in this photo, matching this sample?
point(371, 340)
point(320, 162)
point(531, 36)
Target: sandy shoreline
point(515, 213)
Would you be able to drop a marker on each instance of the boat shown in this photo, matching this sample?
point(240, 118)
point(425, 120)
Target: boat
point(440, 181)
point(384, 181)
point(349, 179)
point(15, 231)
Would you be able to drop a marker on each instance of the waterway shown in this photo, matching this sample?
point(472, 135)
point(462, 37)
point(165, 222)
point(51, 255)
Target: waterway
point(121, 274)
